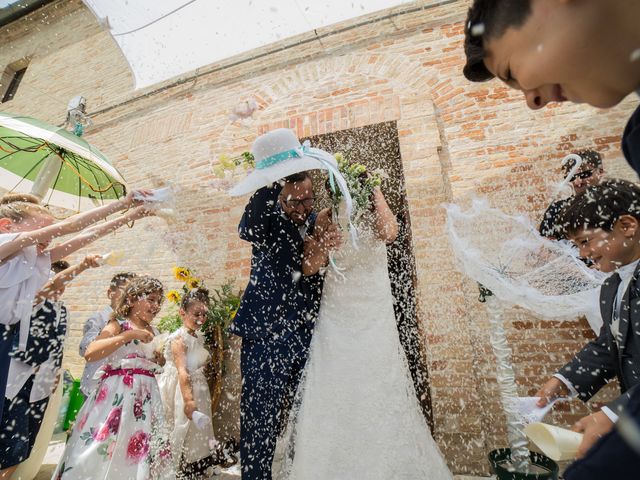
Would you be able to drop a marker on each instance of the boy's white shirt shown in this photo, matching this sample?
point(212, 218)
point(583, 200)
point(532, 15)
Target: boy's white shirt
point(22, 275)
point(626, 274)
point(92, 328)
point(45, 374)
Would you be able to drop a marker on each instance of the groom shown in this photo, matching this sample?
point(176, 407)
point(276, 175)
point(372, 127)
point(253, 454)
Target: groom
point(276, 315)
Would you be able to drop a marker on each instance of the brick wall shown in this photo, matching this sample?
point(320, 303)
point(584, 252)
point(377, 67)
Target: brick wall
point(457, 140)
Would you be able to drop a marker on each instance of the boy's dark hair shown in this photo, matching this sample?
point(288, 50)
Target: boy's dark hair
point(600, 206)
point(489, 19)
point(59, 266)
point(297, 177)
point(195, 295)
point(590, 158)
point(119, 280)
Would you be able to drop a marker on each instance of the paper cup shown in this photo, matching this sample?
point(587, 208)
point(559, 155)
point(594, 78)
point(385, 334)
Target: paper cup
point(200, 419)
point(158, 195)
point(113, 258)
point(555, 442)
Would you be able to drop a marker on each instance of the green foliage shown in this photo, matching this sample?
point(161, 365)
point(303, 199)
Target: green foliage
point(223, 306)
point(361, 183)
point(171, 321)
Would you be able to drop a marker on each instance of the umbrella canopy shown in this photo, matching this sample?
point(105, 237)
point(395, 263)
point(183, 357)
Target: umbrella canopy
point(58, 166)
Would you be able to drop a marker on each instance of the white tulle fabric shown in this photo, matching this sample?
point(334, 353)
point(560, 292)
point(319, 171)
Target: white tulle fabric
point(506, 254)
point(356, 413)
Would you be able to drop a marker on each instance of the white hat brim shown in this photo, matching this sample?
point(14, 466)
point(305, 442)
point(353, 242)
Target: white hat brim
point(262, 177)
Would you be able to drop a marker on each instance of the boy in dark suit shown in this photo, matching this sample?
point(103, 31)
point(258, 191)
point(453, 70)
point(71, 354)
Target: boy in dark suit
point(604, 222)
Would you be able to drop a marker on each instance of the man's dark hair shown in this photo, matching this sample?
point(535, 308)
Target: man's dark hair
point(297, 177)
point(119, 280)
point(59, 266)
point(489, 19)
point(600, 206)
point(590, 158)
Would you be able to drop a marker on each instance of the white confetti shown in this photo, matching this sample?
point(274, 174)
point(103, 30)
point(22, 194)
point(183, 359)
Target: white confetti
point(477, 30)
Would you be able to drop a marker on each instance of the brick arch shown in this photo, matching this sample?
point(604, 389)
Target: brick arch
point(397, 71)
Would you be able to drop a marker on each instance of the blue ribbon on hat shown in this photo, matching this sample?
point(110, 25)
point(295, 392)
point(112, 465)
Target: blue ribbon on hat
point(293, 153)
point(334, 175)
point(278, 157)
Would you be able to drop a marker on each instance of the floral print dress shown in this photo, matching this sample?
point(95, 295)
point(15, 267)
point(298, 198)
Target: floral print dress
point(120, 432)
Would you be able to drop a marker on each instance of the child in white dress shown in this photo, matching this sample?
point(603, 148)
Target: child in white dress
point(120, 431)
point(184, 387)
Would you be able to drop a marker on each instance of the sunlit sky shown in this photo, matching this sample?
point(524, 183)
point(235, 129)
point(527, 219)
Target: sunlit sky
point(203, 32)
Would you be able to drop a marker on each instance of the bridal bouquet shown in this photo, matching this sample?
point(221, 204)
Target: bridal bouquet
point(360, 181)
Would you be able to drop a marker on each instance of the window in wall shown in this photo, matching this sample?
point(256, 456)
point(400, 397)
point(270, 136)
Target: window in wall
point(11, 79)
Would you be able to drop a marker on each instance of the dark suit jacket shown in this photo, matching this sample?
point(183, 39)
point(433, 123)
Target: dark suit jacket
point(613, 457)
point(278, 298)
point(46, 336)
point(601, 360)
point(631, 141)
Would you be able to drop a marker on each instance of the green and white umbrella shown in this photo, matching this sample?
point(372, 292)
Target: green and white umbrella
point(56, 165)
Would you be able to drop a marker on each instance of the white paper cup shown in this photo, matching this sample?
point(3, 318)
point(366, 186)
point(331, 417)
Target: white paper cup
point(200, 419)
point(158, 195)
point(555, 442)
point(112, 258)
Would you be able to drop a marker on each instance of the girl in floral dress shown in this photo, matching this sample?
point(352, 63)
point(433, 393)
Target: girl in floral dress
point(120, 432)
point(184, 387)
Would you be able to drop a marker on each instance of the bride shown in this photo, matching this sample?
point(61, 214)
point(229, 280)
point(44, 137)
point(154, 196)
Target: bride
point(356, 413)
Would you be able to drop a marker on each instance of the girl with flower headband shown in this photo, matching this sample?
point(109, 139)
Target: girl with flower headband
point(120, 431)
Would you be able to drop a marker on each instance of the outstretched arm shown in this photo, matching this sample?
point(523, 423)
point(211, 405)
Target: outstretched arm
point(386, 225)
point(65, 276)
point(72, 224)
point(96, 232)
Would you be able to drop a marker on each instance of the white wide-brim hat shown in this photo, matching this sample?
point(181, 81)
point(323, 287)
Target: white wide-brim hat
point(277, 155)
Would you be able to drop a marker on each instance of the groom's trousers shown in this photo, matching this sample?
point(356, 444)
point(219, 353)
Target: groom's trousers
point(271, 372)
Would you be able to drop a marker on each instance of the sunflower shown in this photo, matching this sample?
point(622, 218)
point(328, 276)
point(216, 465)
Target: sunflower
point(193, 282)
point(181, 273)
point(174, 296)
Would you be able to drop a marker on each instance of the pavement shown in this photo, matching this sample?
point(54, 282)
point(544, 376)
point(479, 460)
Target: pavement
point(56, 449)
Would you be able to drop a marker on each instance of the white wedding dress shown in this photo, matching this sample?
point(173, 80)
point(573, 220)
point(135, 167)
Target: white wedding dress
point(356, 413)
